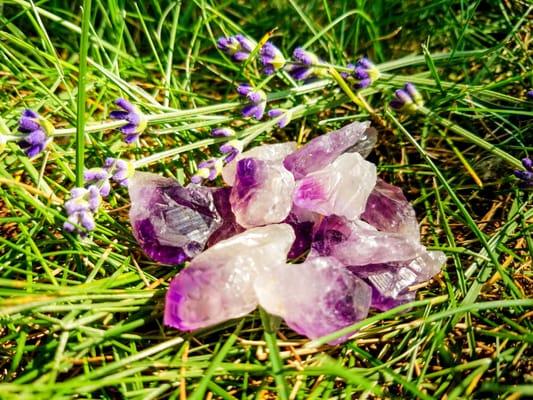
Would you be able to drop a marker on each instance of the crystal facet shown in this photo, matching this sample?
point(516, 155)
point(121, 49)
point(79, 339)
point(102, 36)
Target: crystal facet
point(268, 152)
point(323, 150)
point(341, 188)
point(262, 192)
point(172, 223)
point(315, 298)
point(218, 283)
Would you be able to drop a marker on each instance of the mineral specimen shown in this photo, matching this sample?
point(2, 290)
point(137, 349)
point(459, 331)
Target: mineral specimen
point(218, 283)
point(262, 192)
point(341, 188)
point(173, 223)
point(323, 150)
point(315, 298)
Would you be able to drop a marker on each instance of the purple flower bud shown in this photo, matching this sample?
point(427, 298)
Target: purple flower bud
point(305, 57)
point(136, 121)
point(528, 164)
point(37, 130)
point(529, 94)
point(238, 47)
point(208, 169)
point(284, 120)
point(271, 58)
point(120, 170)
point(81, 206)
point(363, 72)
point(100, 177)
point(258, 100)
point(407, 99)
point(222, 132)
point(231, 149)
point(304, 65)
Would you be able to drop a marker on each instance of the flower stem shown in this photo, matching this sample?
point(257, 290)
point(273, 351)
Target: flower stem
point(80, 120)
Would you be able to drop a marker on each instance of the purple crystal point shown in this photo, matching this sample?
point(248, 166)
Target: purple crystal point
point(388, 210)
point(357, 243)
point(218, 284)
point(267, 152)
point(390, 282)
point(262, 192)
point(341, 188)
point(303, 222)
point(172, 223)
point(315, 298)
point(324, 149)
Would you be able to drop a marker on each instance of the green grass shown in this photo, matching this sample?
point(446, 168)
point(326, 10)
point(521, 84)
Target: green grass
point(83, 319)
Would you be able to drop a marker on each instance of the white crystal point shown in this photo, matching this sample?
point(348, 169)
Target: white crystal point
point(266, 152)
point(341, 188)
point(218, 283)
point(315, 298)
point(262, 192)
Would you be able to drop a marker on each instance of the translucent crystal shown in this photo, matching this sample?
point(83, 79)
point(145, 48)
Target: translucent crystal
point(173, 223)
point(357, 243)
point(303, 222)
point(323, 150)
point(218, 284)
point(262, 192)
point(390, 282)
point(388, 210)
point(341, 188)
point(275, 153)
point(315, 298)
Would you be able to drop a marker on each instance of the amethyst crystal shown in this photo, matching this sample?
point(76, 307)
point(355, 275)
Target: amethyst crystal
point(388, 210)
point(303, 222)
point(267, 152)
point(341, 188)
point(324, 149)
point(315, 298)
point(172, 223)
point(357, 243)
point(218, 283)
point(262, 192)
point(390, 282)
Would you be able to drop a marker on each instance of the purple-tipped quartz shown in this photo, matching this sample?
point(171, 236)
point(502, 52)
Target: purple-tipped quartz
point(324, 149)
point(262, 192)
point(218, 283)
point(388, 210)
point(341, 188)
point(172, 223)
point(357, 243)
point(390, 282)
point(266, 152)
point(315, 298)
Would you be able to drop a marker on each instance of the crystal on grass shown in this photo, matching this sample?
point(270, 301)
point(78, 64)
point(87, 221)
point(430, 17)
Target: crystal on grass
point(218, 283)
point(341, 188)
point(268, 152)
point(262, 192)
point(357, 243)
point(315, 298)
point(388, 210)
point(323, 150)
point(172, 223)
point(390, 282)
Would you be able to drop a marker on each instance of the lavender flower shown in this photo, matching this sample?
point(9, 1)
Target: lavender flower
point(529, 94)
point(119, 170)
point(407, 99)
point(526, 176)
point(136, 120)
point(209, 169)
point(258, 101)
point(285, 116)
point(231, 149)
point(80, 208)
point(222, 132)
point(100, 177)
point(304, 66)
point(238, 47)
point(38, 131)
point(363, 72)
point(271, 58)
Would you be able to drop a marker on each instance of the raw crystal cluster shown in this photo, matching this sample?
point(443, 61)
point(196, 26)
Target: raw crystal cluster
point(311, 235)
